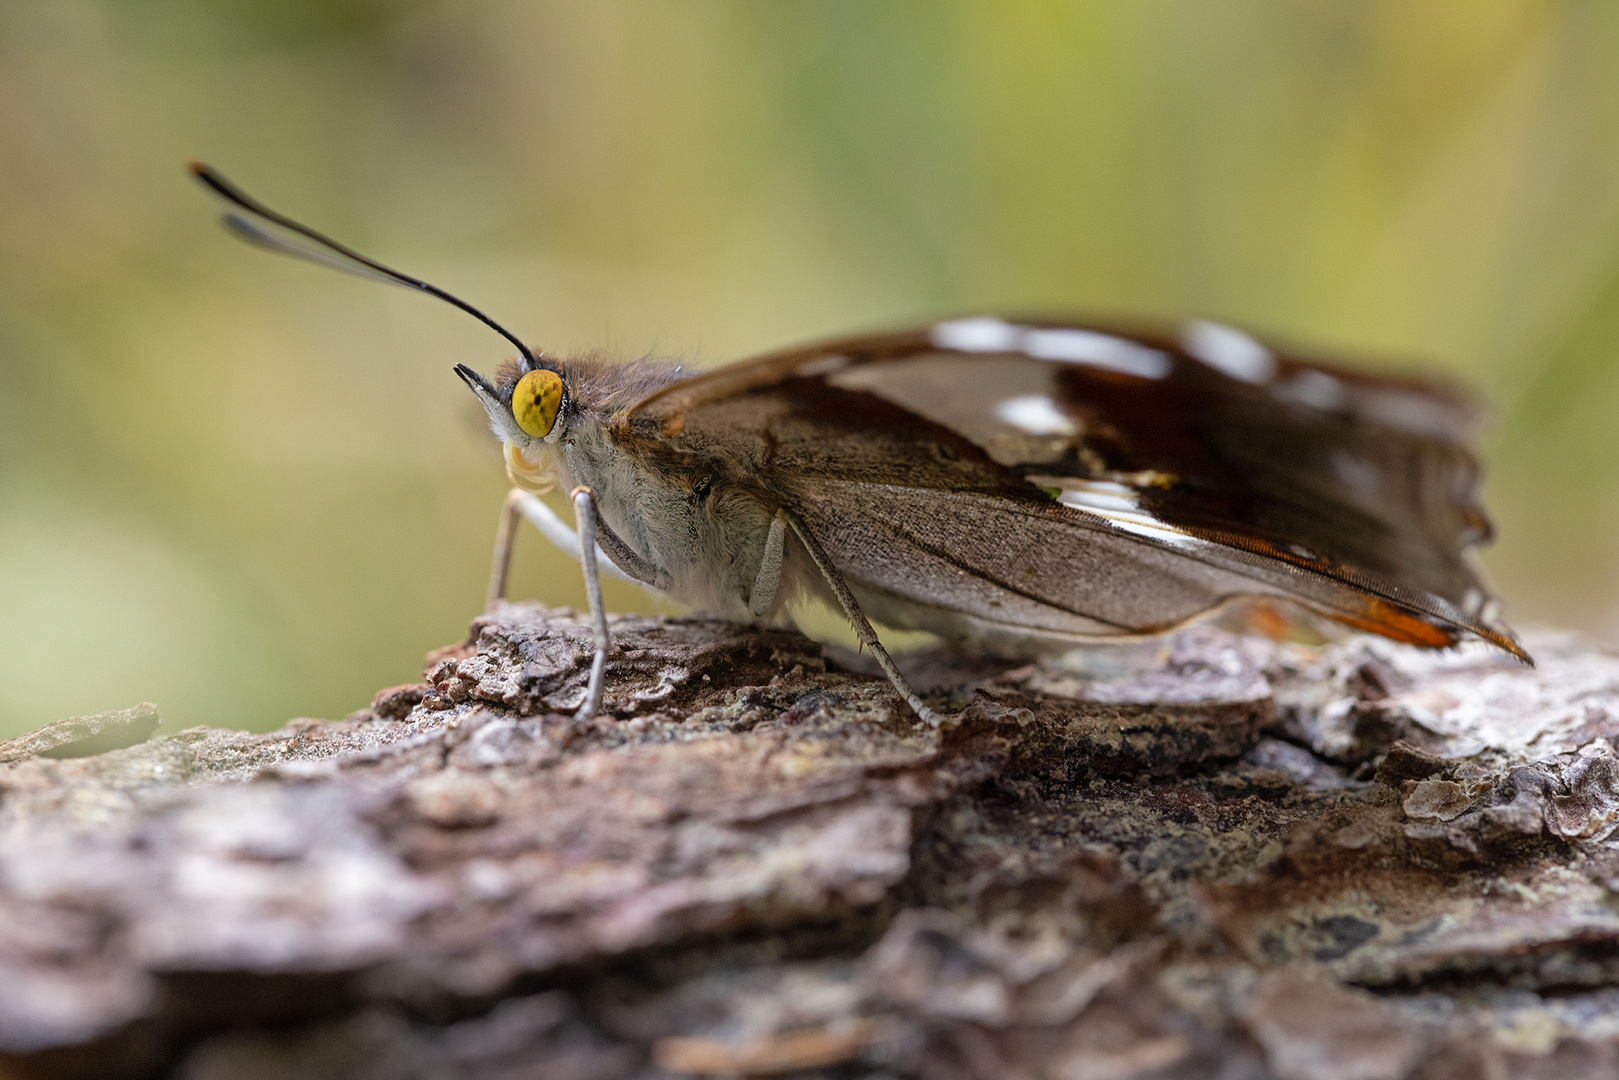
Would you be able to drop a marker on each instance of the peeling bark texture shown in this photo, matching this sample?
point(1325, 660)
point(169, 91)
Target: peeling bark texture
point(1206, 856)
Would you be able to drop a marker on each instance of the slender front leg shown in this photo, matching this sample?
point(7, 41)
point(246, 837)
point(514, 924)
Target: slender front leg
point(768, 580)
point(857, 619)
point(584, 511)
point(530, 507)
point(505, 537)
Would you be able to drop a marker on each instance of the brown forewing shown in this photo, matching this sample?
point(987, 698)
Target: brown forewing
point(1351, 493)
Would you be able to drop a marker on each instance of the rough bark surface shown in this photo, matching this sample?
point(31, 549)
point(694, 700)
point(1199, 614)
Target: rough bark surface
point(1212, 856)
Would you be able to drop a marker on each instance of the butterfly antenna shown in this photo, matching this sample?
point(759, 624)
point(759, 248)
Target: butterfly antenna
point(335, 254)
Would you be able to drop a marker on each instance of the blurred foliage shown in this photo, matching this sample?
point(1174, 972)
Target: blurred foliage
point(249, 489)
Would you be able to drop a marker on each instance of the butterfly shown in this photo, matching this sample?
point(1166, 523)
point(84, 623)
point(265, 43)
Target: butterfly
point(983, 478)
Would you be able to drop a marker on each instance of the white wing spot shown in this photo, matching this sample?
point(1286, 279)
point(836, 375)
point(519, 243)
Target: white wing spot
point(1316, 389)
point(1419, 413)
point(1036, 414)
point(1359, 475)
point(1096, 350)
point(985, 334)
point(1229, 351)
point(988, 334)
point(1116, 504)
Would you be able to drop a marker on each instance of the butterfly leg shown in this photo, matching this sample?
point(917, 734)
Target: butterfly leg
point(584, 509)
point(768, 581)
point(526, 506)
point(857, 619)
point(505, 537)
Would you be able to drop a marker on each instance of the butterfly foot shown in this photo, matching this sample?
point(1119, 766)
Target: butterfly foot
point(935, 721)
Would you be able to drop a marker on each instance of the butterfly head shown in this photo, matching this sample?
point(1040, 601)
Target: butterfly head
point(526, 403)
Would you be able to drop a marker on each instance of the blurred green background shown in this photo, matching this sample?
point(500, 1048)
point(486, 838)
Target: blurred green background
point(248, 489)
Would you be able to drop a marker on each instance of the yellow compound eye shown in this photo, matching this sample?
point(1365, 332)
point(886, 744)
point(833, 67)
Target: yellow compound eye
point(535, 402)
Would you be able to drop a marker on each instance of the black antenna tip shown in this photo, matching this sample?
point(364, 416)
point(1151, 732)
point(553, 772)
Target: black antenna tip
point(215, 182)
point(329, 250)
point(204, 172)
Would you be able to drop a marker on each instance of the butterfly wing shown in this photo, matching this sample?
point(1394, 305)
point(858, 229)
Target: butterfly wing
point(1058, 479)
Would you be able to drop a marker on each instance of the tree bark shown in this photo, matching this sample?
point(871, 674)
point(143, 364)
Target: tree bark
point(1209, 856)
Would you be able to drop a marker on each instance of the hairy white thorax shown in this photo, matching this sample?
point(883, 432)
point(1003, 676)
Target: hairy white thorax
point(710, 543)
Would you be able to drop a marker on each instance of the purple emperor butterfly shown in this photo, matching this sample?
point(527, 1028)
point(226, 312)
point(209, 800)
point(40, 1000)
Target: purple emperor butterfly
point(987, 479)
